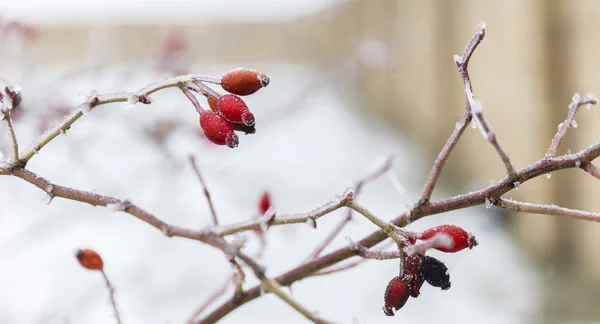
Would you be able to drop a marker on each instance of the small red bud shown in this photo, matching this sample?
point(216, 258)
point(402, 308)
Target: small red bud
point(89, 259)
point(235, 110)
point(218, 130)
point(243, 82)
point(461, 238)
point(396, 295)
point(264, 203)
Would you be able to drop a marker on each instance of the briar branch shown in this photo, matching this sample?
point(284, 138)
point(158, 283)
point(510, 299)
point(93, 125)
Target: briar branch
point(519, 206)
point(142, 95)
point(337, 229)
point(593, 170)
point(462, 62)
point(577, 101)
point(196, 170)
point(13, 136)
point(111, 291)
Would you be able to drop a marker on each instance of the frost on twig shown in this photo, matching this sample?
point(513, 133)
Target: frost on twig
point(576, 102)
point(196, 170)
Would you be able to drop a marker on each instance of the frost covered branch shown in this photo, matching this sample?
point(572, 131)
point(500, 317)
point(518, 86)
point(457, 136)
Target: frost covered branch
point(577, 101)
point(462, 62)
point(526, 207)
point(13, 137)
point(140, 96)
point(337, 229)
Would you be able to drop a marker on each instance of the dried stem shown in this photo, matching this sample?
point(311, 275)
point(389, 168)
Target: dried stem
point(239, 276)
point(211, 299)
point(386, 166)
point(194, 165)
point(141, 95)
point(255, 224)
point(462, 62)
point(186, 91)
point(13, 136)
point(389, 228)
point(112, 296)
point(526, 207)
point(274, 287)
point(577, 102)
point(489, 134)
point(591, 169)
point(365, 253)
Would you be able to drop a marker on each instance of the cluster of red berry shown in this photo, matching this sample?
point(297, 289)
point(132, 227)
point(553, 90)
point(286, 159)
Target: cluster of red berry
point(421, 268)
point(229, 113)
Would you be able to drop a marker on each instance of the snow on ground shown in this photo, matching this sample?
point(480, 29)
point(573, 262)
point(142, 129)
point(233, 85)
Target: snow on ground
point(304, 160)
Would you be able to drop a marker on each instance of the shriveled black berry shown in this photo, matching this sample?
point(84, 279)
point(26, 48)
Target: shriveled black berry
point(435, 272)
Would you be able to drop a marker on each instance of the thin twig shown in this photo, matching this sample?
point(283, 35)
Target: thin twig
point(591, 169)
point(239, 276)
point(112, 296)
point(545, 209)
point(488, 133)
point(211, 299)
point(462, 63)
point(387, 227)
point(577, 101)
point(186, 91)
point(365, 253)
point(196, 169)
point(274, 287)
point(255, 224)
point(439, 240)
point(141, 95)
point(13, 136)
point(386, 166)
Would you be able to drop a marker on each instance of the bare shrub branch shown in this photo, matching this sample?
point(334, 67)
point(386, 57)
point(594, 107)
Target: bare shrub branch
point(526, 207)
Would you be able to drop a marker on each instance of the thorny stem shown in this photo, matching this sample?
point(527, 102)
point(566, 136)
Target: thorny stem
point(13, 136)
point(111, 290)
point(194, 165)
point(386, 166)
point(141, 95)
point(462, 62)
point(519, 206)
point(577, 102)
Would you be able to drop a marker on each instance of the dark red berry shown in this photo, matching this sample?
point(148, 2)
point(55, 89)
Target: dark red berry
point(89, 259)
point(462, 239)
point(243, 82)
point(435, 272)
point(396, 295)
point(218, 130)
point(412, 275)
point(235, 110)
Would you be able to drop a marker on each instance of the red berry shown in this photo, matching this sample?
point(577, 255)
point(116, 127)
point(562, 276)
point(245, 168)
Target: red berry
point(235, 110)
point(264, 203)
point(461, 238)
point(243, 82)
point(89, 259)
point(396, 295)
point(217, 129)
point(412, 275)
point(213, 103)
